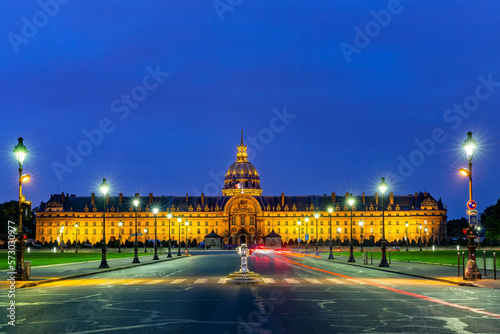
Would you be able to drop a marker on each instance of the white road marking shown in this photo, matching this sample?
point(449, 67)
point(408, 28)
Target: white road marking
point(200, 281)
point(133, 282)
point(335, 280)
point(268, 280)
point(155, 281)
point(313, 280)
point(111, 282)
point(291, 280)
point(178, 281)
point(222, 281)
point(356, 281)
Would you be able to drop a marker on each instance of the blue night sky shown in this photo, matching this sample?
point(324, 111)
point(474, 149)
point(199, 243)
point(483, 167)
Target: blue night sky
point(330, 99)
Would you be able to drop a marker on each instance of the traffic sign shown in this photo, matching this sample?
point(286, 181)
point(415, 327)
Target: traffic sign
point(471, 205)
point(300, 239)
point(472, 212)
point(306, 237)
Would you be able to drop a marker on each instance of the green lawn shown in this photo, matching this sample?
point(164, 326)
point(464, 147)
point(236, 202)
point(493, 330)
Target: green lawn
point(448, 257)
point(40, 258)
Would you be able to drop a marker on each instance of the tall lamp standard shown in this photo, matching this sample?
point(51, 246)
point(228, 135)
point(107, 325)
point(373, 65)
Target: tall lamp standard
point(330, 257)
point(61, 232)
point(136, 245)
point(406, 236)
point(351, 247)
point(145, 240)
point(179, 220)
point(155, 212)
point(338, 232)
point(470, 145)
point(316, 215)
point(120, 224)
point(76, 236)
point(361, 236)
point(307, 241)
point(187, 224)
point(299, 223)
point(104, 189)
point(383, 262)
point(169, 216)
point(425, 236)
point(20, 151)
point(420, 239)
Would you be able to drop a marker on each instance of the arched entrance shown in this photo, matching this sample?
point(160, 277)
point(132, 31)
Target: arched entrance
point(243, 239)
point(242, 212)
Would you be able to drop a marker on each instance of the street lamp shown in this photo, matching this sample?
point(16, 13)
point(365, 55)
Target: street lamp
point(169, 216)
point(406, 236)
point(383, 262)
point(145, 240)
point(136, 245)
point(361, 236)
point(425, 236)
point(330, 257)
point(299, 223)
point(61, 232)
point(76, 237)
point(179, 220)
point(120, 224)
point(351, 255)
point(20, 151)
point(155, 212)
point(469, 146)
point(316, 215)
point(307, 241)
point(338, 232)
point(420, 239)
point(104, 189)
point(187, 224)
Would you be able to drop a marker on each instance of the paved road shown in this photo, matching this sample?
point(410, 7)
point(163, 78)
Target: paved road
point(300, 296)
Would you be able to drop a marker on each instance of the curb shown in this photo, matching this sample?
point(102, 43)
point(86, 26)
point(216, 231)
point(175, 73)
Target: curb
point(37, 283)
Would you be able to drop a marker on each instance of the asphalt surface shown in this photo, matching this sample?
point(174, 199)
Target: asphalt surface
point(300, 295)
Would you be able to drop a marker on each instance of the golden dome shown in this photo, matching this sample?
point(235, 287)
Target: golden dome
point(242, 177)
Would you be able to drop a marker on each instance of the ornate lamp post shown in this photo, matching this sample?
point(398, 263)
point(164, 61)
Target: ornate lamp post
point(169, 216)
point(179, 220)
point(383, 262)
point(299, 223)
point(76, 237)
point(61, 232)
point(155, 212)
point(338, 232)
point(104, 189)
point(425, 236)
point(187, 224)
point(120, 224)
point(20, 151)
point(469, 146)
point(136, 245)
point(307, 241)
point(406, 236)
point(316, 215)
point(145, 240)
point(351, 247)
point(330, 257)
point(361, 236)
point(420, 239)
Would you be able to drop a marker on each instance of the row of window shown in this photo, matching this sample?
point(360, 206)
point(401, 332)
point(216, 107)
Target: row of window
point(130, 231)
point(346, 230)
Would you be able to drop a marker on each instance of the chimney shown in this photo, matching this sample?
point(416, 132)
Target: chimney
point(187, 200)
point(137, 195)
point(391, 198)
point(416, 195)
point(92, 199)
point(150, 198)
point(120, 198)
point(334, 198)
point(364, 198)
point(202, 199)
point(282, 199)
point(376, 198)
point(425, 193)
point(62, 197)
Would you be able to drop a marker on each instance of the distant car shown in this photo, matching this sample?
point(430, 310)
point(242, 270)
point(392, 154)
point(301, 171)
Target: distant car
point(37, 246)
point(395, 247)
point(86, 246)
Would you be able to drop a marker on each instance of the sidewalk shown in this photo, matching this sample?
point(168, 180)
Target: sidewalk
point(58, 272)
point(443, 273)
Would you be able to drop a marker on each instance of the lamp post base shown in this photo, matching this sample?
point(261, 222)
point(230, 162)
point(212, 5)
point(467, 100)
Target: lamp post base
point(136, 255)
point(169, 252)
point(104, 262)
point(351, 255)
point(317, 251)
point(383, 262)
point(330, 257)
point(155, 258)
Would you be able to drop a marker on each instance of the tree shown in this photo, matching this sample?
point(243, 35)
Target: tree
point(456, 226)
point(194, 243)
point(492, 224)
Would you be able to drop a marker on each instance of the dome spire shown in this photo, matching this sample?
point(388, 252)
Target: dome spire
point(242, 138)
point(242, 150)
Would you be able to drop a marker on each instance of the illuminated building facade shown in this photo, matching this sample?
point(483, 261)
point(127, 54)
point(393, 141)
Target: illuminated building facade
point(243, 215)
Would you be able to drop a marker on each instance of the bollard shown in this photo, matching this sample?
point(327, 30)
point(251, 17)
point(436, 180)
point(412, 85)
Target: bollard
point(484, 258)
point(372, 256)
point(390, 257)
point(458, 258)
point(463, 264)
point(494, 266)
